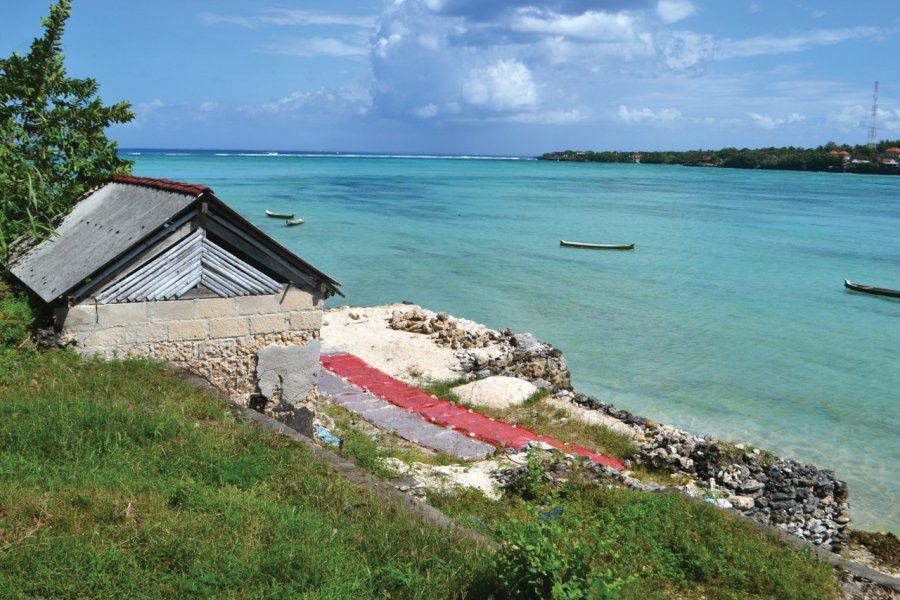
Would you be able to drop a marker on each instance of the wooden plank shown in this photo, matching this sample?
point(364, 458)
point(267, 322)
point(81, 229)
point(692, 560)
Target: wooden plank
point(180, 263)
point(259, 252)
point(212, 264)
point(240, 265)
point(256, 281)
point(147, 272)
point(148, 256)
point(217, 289)
point(233, 290)
point(182, 282)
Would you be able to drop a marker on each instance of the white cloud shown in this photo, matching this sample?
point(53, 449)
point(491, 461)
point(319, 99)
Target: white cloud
point(352, 100)
point(888, 119)
point(553, 117)
point(671, 11)
point(504, 85)
point(591, 25)
point(647, 115)
point(144, 112)
point(765, 45)
point(426, 112)
point(307, 47)
point(287, 17)
point(767, 122)
point(849, 117)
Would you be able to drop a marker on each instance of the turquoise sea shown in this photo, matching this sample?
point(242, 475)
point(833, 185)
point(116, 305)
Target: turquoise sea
point(729, 318)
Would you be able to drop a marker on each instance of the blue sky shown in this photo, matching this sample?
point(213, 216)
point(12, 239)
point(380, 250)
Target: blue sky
point(501, 77)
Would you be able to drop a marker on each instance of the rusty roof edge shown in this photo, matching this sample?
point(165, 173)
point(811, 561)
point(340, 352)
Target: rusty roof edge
point(167, 185)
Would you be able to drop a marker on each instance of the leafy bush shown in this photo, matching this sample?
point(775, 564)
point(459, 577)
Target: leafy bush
point(542, 559)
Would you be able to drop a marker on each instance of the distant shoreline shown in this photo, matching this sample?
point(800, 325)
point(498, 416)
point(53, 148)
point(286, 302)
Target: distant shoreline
point(881, 160)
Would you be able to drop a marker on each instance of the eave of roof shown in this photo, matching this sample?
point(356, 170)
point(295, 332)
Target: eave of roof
point(110, 222)
point(165, 184)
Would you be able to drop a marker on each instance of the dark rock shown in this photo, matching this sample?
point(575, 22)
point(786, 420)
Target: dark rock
point(299, 419)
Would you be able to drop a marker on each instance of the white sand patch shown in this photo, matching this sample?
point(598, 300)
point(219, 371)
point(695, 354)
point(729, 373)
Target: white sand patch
point(593, 417)
point(496, 392)
point(445, 479)
point(400, 354)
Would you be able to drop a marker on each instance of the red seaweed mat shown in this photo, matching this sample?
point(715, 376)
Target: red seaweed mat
point(445, 413)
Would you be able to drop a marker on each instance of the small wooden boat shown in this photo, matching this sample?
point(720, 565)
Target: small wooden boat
point(868, 289)
point(292, 222)
point(277, 215)
point(597, 246)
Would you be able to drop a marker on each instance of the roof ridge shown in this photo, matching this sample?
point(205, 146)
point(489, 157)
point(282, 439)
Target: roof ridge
point(164, 184)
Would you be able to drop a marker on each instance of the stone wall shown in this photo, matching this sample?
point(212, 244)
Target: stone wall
point(483, 352)
point(218, 338)
point(806, 501)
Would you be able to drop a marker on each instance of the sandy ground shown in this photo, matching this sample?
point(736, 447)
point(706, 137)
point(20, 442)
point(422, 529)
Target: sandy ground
point(403, 355)
point(409, 357)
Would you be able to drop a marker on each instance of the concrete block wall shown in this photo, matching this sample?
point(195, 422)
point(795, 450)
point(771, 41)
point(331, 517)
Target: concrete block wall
point(216, 337)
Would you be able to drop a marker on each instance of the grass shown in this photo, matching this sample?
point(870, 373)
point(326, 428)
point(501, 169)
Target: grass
point(118, 480)
point(537, 414)
point(647, 545)
point(655, 545)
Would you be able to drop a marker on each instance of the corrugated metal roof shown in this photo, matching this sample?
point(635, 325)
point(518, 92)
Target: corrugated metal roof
point(100, 228)
point(120, 223)
point(193, 261)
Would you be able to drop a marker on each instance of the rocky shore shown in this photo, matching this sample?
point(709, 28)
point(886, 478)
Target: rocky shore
point(805, 501)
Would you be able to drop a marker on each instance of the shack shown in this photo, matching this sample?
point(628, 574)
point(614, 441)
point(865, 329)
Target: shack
point(165, 270)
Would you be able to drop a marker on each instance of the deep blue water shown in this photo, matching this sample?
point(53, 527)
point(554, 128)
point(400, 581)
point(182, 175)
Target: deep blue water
point(729, 318)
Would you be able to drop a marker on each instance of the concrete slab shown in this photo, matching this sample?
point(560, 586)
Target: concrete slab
point(292, 370)
point(457, 444)
point(391, 418)
point(331, 384)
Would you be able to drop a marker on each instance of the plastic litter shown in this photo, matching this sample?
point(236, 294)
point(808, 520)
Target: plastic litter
point(546, 516)
point(327, 437)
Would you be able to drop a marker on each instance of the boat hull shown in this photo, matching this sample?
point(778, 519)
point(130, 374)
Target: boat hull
point(596, 246)
point(868, 289)
point(276, 215)
point(292, 222)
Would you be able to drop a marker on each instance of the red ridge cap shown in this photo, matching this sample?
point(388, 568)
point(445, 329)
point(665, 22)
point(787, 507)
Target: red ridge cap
point(164, 184)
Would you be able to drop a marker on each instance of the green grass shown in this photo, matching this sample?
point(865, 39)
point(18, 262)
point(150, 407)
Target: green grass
point(537, 414)
point(443, 388)
point(652, 545)
point(118, 480)
point(645, 545)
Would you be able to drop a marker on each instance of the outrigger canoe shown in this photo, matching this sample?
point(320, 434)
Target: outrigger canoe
point(292, 222)
point(597, 246)
point(276, 215)
point(868, 289)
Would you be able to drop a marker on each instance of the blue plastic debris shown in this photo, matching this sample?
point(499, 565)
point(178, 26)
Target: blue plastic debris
point(553, 513)
point(327, 437)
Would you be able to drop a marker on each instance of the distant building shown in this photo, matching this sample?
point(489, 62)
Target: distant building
point(842, 154)
point(166, 270)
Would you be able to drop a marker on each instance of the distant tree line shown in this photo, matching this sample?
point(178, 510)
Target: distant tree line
point(858, 159)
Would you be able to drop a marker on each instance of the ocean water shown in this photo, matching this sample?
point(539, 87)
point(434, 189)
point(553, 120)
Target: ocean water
point(730, 317)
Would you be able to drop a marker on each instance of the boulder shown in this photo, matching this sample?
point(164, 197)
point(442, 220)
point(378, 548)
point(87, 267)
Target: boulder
point(496, 392)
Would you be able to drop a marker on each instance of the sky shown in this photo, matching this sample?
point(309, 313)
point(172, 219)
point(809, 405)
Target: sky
point(501, 77)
